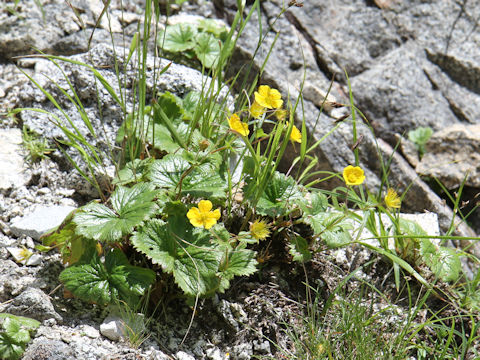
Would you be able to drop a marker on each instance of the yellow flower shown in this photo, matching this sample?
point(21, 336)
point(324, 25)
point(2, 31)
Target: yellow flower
point(203, 216)
point(269, 98)
point(238, 126)
point(257, 110)
point(281, 114)
point(259, 229)
point(353, 175)
point(295, 135)
point(392, 200)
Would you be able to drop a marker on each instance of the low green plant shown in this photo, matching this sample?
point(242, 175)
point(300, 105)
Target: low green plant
point(201, 41)
point(420, 137)
point(37, 147)
point(15, 334)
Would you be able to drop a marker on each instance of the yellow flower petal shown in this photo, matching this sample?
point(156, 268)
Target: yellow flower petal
point(281, 114)
point(256, 110)
point(392, 200)
point(259, 229)
point(269, 98)
point(295, 135)
point(216, 214)
point(353, 175)
point(205, 206)
point(238, 126)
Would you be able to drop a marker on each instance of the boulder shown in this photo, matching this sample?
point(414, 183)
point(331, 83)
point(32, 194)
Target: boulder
point(453, 153)
point(397, 96)
point(33, 303)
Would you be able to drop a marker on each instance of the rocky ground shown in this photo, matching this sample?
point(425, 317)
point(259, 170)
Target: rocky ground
point(410, 64)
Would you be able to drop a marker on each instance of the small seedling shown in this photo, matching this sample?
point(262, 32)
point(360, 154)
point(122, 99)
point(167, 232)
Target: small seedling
point(420, 137)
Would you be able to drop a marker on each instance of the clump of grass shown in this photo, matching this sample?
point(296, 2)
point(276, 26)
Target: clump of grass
point(38, 147)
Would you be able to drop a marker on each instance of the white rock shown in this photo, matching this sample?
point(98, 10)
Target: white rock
point(12, 168)
point(427, 221)
point(90, 331)
point(40, 221)
point(112, 328)
point(183, 356)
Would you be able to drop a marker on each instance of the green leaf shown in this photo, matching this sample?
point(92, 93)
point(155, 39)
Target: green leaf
point(207, 49)
point(420, 135)
point(178, 37)
point(107, 282)
point(316, 204)
point(70, 244)
point(8, 349)
point(183, 251)
point(278, 194)
point(336, 238)
point(190, 103)
point(241, 262)
point(13, 329)
point(299, 249)
point(131, 206)
point(211, 26)
point(444, 262)
point(172, 106)
point(134, 171)
point(14, 335)
point(200, 181)
point(332, 227)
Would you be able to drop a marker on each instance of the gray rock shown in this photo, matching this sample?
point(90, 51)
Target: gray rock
point(90, 331)
point(464, 104)
point(396, 96)
point(13, 172)
point(451, 154)
point(45, 349)
point(243, 351)
point(14, 279)
point(33, 303)
point(113, 328)
point(29, 31)
point(40, 221)
point(346, 34)
point(181, 355)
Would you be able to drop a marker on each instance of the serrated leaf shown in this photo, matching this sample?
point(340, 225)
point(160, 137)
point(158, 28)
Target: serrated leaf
point(211, 26)
point(190, 103)
point(131, 206)
point(25, 322)
point(107, 282)
point(13, 329)
point(207, 49)
point(278, 194)
point(178, 37)
point(299, 249)
point(70, 245)
point(199, 181)
point(336, 238)
point(172, 106)
point(10, 350)
point(184, 251)
point(240, 262)
point(316, 204)
point(444, 262)
point(133, 172)
point(331, 227)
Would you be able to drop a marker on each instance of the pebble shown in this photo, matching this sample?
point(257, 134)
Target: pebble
point(90, 331)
